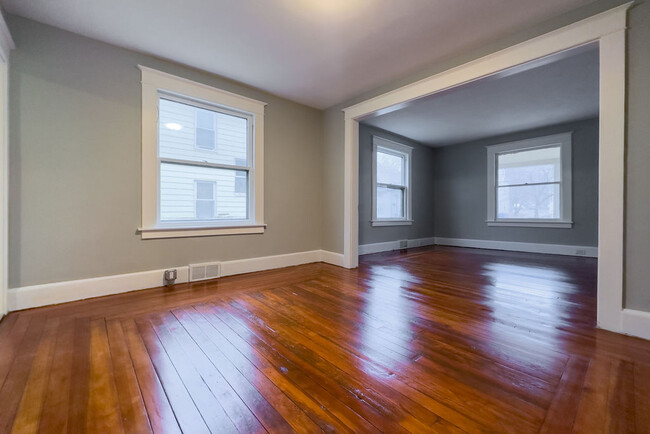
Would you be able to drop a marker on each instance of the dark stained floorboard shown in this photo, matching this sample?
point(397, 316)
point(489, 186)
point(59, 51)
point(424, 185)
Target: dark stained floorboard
point(426, 340)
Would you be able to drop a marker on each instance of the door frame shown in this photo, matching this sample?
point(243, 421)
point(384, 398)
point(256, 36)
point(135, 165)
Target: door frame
point(608, 29)
point(6, 45)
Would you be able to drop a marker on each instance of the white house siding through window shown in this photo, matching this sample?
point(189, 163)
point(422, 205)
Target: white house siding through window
point(187, 135)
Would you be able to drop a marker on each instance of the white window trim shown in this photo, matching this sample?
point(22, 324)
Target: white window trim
point(564, 140)
point(402, 149)
point(153, 84)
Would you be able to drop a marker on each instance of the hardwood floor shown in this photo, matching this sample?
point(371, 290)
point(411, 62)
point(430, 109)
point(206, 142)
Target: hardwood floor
point(429, 340)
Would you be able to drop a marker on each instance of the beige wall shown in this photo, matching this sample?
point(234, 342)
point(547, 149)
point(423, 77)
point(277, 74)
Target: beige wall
point(75, 165)
point(637, 250)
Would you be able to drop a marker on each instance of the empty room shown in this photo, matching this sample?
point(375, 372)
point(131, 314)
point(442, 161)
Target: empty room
point(324, 216)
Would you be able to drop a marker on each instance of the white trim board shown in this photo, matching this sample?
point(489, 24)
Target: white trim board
point(387, 246)
point(513, 246)
point(553, 249)
point(608, 30)
point(62, 292)
point(636, 323)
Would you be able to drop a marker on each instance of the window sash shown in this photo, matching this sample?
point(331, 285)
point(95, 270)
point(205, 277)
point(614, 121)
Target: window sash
point(404, 191)
point(385, 146)
point(248, 168)
point(563, 141)
point(402, 155)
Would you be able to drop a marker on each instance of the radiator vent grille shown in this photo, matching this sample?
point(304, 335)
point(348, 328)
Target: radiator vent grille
point(208, 270)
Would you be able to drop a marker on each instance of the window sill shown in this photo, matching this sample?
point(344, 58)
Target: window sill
point(391, 222)
point(186, 232)
point(531, 223)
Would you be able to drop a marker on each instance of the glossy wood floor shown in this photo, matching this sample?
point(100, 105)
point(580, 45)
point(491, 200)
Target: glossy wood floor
point(430, 340)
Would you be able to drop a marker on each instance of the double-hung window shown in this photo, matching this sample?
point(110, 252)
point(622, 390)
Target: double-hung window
point(529, 182)
point(391, 183)
point(202, 159)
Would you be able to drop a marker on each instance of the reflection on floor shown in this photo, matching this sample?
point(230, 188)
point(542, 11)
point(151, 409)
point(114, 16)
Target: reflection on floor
point(433, 339)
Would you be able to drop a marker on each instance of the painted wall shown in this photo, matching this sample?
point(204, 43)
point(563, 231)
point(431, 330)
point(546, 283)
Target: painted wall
point(461, 183)
point(637, 212)
point(637, 199)
point(75, 165)
point(422, 182)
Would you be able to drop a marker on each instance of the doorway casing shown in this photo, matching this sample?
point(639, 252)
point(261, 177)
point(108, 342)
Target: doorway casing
point(608, 30)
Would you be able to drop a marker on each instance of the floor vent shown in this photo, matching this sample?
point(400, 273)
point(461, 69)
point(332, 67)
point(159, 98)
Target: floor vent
point(208, 270)
point(403, 244)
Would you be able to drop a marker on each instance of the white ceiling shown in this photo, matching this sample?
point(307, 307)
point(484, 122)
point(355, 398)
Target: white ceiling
point(317, 52)
point(560, 88)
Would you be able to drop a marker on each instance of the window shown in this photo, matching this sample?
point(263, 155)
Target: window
point(529, 182)
point(202, 167)
point(205, 205)
point(391, 189)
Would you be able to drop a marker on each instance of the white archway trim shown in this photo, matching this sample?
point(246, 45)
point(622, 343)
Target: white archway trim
point(608, 30)
point(6, 45)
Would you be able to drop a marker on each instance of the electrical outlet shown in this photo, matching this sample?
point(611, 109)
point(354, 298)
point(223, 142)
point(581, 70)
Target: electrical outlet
point(170, 276)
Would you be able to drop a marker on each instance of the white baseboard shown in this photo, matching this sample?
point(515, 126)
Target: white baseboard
point(332, 258)
point(636, 323)
point(366, 249)
point(61, 292)
point(554, 249)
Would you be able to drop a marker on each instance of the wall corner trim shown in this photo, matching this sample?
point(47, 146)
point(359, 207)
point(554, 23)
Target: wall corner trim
point(635, 323)
point(62, 292)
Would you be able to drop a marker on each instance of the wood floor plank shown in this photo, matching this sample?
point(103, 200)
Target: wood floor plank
point(78, 403)
point(187, 361)
point(562, 412)
point(159, 410)
point(621, 417)
point(592, 407)
point(210, 340)
point(103, 407)
point(131, 404)
point(54, 417)
point(434, 339)
point(188, 416)
point(29, 412)
point(14, 385)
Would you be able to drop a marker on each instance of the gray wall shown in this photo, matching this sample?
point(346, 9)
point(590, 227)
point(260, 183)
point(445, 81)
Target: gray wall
point(637, 208)
point(422, 178)
point(637, 193)
point(75, 165)
point(461, 184)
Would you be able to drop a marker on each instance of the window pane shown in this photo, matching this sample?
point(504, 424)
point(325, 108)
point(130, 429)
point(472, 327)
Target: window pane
point(205, 190)
point(390, 203)
point(241, 181)
point(529, 202)
point(529, 167)
point(205, 209)
point(179, 200)
point(205, 139)
point(390, 168)
point(186, 132)
point(204, 119)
